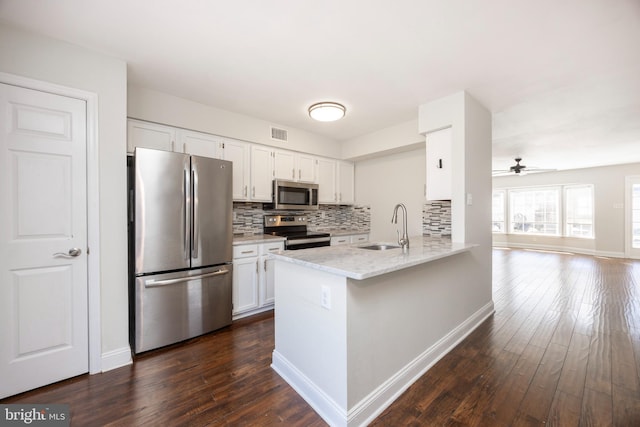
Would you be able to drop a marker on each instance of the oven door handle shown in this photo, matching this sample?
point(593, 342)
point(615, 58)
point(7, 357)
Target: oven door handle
point(310, 240)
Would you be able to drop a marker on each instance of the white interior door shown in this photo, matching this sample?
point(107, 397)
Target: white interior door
point(632, 229)
point(43, 239)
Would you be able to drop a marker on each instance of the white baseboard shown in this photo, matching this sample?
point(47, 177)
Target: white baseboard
point(116, 358)
point(610, 254)
point(326, 407)
point(560, 248)
point(252, 312)
point(379, 399)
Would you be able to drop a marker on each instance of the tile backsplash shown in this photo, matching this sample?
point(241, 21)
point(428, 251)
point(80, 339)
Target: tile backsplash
point(248, 218)
point(436, 218)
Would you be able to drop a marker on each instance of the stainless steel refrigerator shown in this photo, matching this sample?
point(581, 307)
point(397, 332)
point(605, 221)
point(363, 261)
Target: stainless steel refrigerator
point(181, 244)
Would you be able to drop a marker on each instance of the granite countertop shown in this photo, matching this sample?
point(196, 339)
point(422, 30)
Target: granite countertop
point(357, 263)
point(256, 239)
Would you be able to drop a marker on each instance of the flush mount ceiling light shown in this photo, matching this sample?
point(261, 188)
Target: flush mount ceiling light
point(327, 111)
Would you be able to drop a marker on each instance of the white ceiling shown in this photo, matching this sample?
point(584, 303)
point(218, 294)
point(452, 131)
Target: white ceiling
point(562, 78)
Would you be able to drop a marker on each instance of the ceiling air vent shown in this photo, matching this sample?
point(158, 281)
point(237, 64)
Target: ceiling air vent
point(279, 134)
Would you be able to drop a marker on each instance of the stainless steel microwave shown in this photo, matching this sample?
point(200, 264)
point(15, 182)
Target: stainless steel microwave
point(290, 195)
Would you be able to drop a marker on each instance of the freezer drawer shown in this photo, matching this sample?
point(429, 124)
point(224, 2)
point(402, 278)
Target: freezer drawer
point(176, 306)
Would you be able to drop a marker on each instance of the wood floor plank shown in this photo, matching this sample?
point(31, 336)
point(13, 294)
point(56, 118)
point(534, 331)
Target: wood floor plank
point(597, 409)
point(574, 370)
point(565, 410)
point(599, 365)
point(537, 400)
point(623, 367)
point(626, 407)
point(562, 349)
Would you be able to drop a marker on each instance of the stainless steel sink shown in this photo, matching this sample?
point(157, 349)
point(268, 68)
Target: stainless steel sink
point(379, 247)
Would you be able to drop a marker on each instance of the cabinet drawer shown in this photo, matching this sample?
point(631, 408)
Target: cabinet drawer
point(267, 248)
point(245, 251)
point(359, 238)
point(340, 240)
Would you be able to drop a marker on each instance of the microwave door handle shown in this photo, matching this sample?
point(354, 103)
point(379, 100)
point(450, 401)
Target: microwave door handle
point(310, 196)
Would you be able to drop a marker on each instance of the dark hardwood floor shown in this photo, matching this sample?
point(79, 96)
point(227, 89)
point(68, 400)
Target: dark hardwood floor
point(562, 349)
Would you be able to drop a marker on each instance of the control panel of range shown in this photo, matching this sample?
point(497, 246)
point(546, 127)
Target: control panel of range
point(284, 220)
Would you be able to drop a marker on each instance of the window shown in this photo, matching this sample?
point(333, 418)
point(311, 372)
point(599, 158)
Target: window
point(534, 211)
point(562, 210)
point(497, 212)
point(579, 211)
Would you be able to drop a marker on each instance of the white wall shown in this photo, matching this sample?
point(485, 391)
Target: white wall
point(154, 106)
point(609, 187)
point(394, 139)
point(382, 182)
point(29, 55)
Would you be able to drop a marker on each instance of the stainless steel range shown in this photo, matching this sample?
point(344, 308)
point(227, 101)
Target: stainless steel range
point(294, 228)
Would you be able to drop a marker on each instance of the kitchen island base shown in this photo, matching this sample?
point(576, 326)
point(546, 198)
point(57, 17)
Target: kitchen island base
point(350, 347)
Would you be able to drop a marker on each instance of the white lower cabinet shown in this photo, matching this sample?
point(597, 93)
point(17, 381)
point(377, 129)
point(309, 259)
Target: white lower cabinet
point(253, 278)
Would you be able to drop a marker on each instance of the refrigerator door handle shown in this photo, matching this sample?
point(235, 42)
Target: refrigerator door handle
point(195, 239)
point(155, 283)
point(186, 213)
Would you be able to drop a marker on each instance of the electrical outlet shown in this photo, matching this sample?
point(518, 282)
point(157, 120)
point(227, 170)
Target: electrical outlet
point(325, 298)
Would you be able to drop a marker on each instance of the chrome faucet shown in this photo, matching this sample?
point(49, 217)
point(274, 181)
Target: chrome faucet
point(404, 240)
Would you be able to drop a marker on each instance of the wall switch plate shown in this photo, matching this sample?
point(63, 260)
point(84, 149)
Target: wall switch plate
point(469, 199)
point(325, 298)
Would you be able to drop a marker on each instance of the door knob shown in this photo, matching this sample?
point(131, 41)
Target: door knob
point(73, 252)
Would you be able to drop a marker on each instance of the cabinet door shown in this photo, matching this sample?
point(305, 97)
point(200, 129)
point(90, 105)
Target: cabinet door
point(261, 173)
point(327, 193)
point(306, 166)
point(238, 153)
point(284, 165)
point(150, 135)
point(346, 193)
point(439, 157)
point(245, 284)
point(199, 144)
point(266, 277)
point(267, 287)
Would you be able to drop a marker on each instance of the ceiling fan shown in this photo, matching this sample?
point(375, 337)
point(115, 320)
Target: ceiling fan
point(519, 169)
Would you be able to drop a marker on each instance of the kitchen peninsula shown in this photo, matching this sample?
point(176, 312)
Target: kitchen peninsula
point(355, 327)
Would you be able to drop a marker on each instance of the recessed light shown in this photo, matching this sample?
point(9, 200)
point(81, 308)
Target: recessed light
point(327, 111)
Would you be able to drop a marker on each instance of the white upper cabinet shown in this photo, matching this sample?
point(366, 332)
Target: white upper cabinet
point(200, 144)
point(346, 183)
point(150, 135)
point(239, 153)
point(327, 171)
point(335, 181)
point(261, 173)
point(439, 165)
point(306, 165)
point(284, 165)
point(294, 166)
